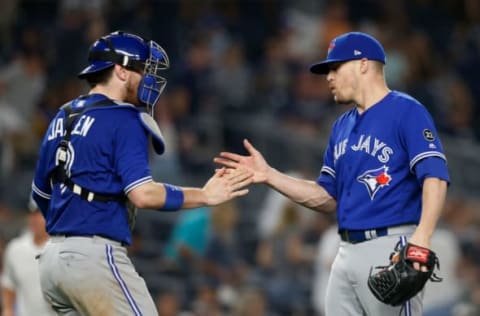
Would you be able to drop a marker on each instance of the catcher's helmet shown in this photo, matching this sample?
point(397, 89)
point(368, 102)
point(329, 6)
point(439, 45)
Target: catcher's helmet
point(133, 52)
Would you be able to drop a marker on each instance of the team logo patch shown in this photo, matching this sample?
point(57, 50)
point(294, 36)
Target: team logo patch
point(375, 179)
point(428, 135)
point(330, 47)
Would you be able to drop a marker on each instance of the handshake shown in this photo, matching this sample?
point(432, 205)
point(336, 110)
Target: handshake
point(237, 172)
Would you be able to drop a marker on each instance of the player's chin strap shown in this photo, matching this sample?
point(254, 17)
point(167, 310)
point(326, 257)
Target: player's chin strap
point(60, 173)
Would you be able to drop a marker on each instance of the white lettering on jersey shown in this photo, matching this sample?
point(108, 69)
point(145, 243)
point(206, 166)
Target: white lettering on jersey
point(385, 156)
point(340, 149)
point(365, 143)
point(378, 144)
point(56, 130)
point(83, 125)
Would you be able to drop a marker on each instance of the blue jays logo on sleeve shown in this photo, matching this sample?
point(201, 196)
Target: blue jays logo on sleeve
point(375, 179)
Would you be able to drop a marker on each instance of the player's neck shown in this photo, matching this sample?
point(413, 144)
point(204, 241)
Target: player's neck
point(107, 90)
point(371, 96)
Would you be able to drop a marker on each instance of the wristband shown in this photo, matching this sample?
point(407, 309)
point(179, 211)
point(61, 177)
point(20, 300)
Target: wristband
point(173, 198)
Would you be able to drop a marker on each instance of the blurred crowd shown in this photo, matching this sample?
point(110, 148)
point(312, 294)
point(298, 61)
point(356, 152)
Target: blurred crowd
point(240, 70)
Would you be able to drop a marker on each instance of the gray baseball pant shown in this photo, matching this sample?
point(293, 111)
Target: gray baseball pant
point(91, 276)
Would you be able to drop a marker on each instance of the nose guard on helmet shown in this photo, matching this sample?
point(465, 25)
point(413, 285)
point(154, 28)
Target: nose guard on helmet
point(152, 84)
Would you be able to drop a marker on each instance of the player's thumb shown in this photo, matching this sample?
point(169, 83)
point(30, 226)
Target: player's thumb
point(249, 147)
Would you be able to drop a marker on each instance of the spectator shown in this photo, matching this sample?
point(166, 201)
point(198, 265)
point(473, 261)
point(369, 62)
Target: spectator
point(169, 304)
point(188, 240)
point(21, 293)
point(282, 267)
point(223, 263)
point(186, 246)
point(251, 302)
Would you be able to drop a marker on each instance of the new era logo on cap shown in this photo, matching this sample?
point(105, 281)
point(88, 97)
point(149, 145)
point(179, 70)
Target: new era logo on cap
point(350, 46)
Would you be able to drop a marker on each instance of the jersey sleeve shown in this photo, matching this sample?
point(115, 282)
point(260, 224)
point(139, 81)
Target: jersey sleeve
point(132, 154)
point(421, 141)
point(327, 177)
point(41, 185)
point(432, 167)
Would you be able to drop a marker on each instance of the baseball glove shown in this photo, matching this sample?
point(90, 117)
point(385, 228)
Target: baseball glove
point(399, 281)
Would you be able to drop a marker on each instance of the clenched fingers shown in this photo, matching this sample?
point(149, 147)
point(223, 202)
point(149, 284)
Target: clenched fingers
point(419, 267)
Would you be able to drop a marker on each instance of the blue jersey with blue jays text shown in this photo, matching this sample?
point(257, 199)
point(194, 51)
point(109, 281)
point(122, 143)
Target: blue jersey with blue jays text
point(108, 155)
point(370, 164)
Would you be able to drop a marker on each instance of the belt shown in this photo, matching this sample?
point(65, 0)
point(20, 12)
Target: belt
point(94, 238)
point(356, 236)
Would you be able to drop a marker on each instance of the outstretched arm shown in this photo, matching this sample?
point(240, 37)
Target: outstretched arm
point(304, 192)
point(221, 187)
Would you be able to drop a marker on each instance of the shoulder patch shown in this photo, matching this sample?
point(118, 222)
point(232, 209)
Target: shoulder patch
point(428, 135)
point(150, 125)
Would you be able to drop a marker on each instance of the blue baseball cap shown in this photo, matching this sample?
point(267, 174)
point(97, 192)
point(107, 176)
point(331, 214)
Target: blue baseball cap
point(350, 46)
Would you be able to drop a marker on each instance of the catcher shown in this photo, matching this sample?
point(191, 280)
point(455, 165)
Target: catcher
point(93, 173)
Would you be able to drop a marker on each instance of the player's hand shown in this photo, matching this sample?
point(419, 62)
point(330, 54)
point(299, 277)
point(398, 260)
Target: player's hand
point(255, 162)
point(419, 240)
point(226, 184)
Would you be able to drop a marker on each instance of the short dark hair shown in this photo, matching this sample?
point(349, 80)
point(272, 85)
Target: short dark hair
point(378, 66)
point(99, 77)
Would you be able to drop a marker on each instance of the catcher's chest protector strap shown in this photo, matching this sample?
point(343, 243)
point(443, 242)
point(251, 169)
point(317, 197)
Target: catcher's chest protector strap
point(60, 175)
point(157, 138)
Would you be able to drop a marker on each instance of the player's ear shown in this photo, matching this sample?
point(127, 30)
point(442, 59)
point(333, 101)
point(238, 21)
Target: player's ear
point(120, 72)
point(364, 65)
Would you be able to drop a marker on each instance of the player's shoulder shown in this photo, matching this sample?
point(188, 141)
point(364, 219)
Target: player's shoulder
point(118, 108)
point(403, 102)
point(116, 115)
point(126, 117)
point(110, 107)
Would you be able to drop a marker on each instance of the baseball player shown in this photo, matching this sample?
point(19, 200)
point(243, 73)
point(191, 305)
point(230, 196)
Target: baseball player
point(21, 293)
point(384, 172)
point(93, 173)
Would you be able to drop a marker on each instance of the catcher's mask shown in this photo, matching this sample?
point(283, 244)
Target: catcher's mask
point(135, 53)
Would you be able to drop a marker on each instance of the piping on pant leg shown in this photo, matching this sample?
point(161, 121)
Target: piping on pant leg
point(121, 282)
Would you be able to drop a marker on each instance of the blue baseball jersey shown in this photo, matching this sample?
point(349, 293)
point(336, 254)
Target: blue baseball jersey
point(375, 163)
point(108, 154)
